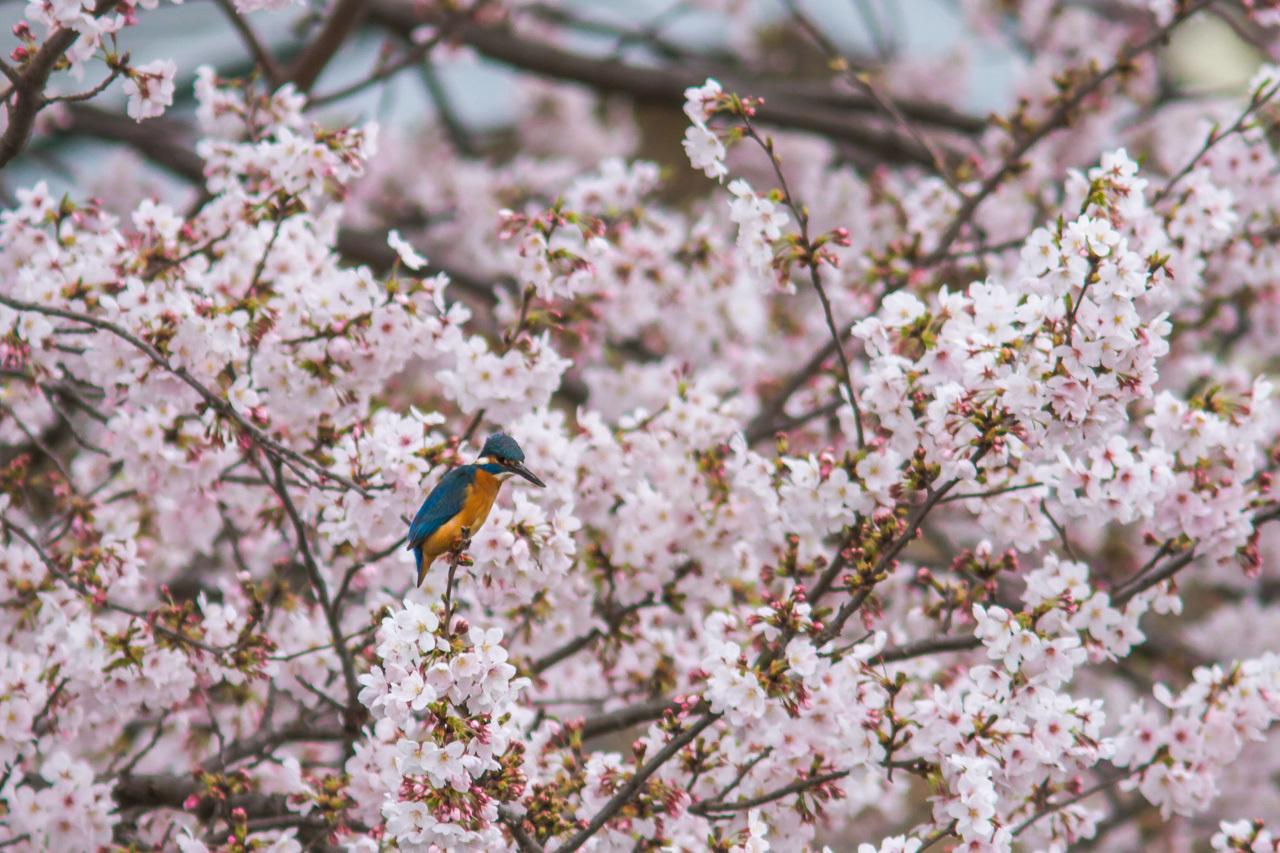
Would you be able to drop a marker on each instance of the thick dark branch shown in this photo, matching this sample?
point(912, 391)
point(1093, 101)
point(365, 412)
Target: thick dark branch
point(264, 811)
point(515, 825)
point(261, 55)
point(159, 140)
point(163, 790)
point(153, 791)
point(14, 77)
point(782, 108)
point(29, 98)
point(1270, 513)
point(636, 783)
point(345, 16)
point(625, 718)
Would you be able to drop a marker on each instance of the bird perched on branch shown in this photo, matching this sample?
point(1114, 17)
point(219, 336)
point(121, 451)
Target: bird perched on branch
point(460, 502)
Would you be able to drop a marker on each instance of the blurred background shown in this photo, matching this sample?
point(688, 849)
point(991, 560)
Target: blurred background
point(479, 99)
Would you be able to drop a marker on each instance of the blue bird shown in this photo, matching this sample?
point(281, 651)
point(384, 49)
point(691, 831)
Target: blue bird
point(462, 500)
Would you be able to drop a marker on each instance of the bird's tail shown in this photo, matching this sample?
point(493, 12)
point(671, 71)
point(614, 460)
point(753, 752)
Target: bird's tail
point(422, 564)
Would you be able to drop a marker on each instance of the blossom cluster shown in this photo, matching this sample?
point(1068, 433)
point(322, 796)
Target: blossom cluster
point(449, 694)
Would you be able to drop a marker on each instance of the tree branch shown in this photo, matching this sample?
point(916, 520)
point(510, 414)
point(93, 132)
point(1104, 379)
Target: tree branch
point(1011, 164)
point(799, 786)
point(813, 261)
point(783, 108)
point(331, 615)
point(345, 16)
point(29, 98)
point(632, 788)
point(218, 404)
point(261, 55)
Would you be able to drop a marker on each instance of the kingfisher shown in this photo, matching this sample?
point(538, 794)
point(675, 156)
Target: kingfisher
point(460, 502)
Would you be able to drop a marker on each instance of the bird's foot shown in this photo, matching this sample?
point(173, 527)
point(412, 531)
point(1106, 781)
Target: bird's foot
point(462, 543)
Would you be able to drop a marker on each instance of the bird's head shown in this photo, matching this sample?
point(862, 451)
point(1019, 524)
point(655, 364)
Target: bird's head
point(501, 450)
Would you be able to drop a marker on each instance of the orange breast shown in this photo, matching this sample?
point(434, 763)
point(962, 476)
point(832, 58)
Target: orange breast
point(480, 497)
point(481, 494)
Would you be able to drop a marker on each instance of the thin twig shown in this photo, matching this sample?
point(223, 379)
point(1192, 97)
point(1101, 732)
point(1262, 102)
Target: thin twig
point(265, 61)
point(472, 427)
point(455, 556)
point(159, 630)
point(1011, 164)
point(614, 616)
point(1004, 490)
point(926, 647)
point(412, 57)
point(860, 79)
point(833, 628)
point(1088, 792)
point(812, 262)
point(737, 780)
point(322, 595)
point(116, 71)
point(1062, 532)
point(367, 561)
point(1257, 99)
point(1125, 593)
point(797, 787)
point(218, 404)
point(40, 444)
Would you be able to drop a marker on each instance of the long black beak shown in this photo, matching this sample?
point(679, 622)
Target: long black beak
point(518, 467)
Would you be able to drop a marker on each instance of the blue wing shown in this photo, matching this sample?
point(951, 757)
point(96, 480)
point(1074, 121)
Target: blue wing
point(444, 502)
